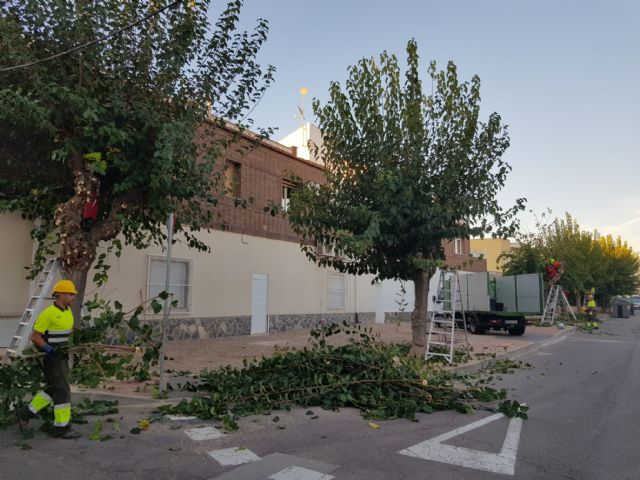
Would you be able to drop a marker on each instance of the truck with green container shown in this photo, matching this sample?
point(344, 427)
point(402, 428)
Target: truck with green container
point(489, 301)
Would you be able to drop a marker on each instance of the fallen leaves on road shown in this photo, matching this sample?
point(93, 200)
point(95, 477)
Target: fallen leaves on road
point(144, 424)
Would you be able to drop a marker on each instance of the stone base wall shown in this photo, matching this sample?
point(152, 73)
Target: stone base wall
point(281, 323)
point(394, 317)
point(203, 328)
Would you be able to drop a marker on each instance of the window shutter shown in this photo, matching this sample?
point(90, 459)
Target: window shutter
point(337, 291)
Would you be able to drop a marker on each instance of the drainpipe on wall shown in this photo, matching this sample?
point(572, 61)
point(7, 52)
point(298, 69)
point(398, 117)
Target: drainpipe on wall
point(355, 299)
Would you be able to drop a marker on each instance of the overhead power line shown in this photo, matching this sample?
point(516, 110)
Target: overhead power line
point(92, 42)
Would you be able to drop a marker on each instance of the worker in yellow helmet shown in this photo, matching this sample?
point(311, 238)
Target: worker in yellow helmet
point(591, 306)
point(51, 332)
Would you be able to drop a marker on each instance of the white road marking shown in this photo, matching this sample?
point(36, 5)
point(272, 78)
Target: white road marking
point(203, 433)
point(299, 473)
point(553, 341)
point(180, 418)
point(233, 456)
point(503, 462)
point(601, 341)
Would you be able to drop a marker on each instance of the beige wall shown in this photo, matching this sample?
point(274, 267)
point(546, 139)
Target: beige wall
point(222, 278)
point(491, 248)
point(16, 249)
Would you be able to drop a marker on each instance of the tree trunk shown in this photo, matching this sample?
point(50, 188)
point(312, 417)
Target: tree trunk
point(578, 301)
point(419, 314)
point(77, 246)
point(79, 278)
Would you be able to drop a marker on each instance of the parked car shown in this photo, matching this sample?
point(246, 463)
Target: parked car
point(635, 300)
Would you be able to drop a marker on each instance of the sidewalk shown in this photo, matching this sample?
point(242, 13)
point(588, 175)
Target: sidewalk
point(195, 355)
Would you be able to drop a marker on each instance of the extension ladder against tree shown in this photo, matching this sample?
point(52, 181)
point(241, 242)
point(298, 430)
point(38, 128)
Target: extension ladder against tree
point(443, 328)
point(556, 299)
point(42, 287)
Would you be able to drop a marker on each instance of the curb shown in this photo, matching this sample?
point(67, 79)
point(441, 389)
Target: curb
point(476, 365)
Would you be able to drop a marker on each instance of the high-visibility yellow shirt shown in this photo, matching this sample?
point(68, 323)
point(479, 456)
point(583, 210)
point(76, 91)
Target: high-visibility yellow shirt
point(591, 304)
point(55, 324)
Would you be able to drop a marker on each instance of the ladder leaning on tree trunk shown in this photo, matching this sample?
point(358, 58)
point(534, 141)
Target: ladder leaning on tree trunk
point(43, 285)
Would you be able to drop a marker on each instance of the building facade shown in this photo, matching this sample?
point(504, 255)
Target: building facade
point(491, 249)
point(255, 279)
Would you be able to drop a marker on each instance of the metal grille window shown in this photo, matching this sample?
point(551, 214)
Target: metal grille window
point(457, 246)
point(179, 280)
point(337, 291)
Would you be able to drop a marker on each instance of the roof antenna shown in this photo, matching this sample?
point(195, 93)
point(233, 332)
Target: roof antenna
point(305, 134)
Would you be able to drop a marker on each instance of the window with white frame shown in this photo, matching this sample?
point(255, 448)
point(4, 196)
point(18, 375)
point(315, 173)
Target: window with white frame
point(287, 191)
point(337, 291)
point(180, 280)
point(457, 246)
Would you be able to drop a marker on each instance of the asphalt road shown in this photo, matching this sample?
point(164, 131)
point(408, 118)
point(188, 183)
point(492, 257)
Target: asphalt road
point(584, 424)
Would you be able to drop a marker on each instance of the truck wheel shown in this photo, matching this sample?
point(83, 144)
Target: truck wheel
point(474, 326)
point(516, 331)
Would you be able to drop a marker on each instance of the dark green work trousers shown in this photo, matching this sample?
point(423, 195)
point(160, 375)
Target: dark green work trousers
point(56, 375)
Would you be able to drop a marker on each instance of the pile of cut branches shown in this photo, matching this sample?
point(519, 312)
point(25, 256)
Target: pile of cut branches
point(381, 380)
point(96, 361)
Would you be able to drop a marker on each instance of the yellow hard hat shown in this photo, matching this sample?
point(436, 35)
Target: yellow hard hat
point(65, 286)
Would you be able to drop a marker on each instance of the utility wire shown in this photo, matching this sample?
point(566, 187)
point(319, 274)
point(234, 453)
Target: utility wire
point(92, 42)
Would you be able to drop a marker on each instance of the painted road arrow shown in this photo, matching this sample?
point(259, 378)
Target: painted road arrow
point(503, 462)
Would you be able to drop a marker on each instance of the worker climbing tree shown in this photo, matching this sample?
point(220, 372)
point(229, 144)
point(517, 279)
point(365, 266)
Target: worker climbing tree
point(553, 271)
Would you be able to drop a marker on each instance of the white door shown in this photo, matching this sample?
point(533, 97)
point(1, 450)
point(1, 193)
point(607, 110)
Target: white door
point(259, 292)
point(379, 302)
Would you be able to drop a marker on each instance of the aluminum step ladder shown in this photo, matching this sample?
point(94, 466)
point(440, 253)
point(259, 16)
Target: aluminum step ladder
point(556, 300)
point(443, 327)
point(42, 287)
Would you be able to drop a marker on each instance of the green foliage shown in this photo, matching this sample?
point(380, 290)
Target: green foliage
point(157, 394)
point(111, 322)
point(567, 242)
point(18, 380)
point(505, 365)
point(380, 380)
point(94, 362)
point(125, 114)
point(405, 170)
point(511, 409)
point(619, 272)
point(529, 257)
point(608, 265)
point(96, 433)
point(92, 407)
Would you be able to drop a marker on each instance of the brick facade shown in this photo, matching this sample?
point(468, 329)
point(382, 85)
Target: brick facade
point(463, 260)
point(264, 169)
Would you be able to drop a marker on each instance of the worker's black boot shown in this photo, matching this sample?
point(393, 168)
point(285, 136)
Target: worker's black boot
point(65, 433)
point(23, 415)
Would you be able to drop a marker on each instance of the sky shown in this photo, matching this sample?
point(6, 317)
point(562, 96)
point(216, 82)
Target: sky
point(563, 74)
